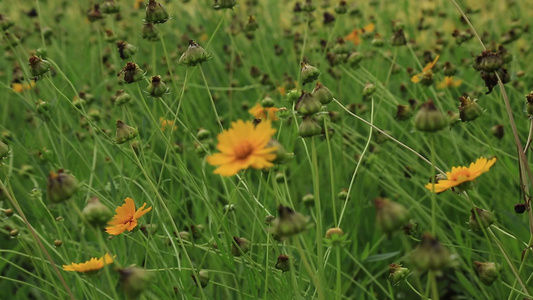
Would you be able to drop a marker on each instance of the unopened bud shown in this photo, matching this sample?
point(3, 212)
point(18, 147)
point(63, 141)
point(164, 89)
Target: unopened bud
point(131, 73)
point(58, 243)
point(309, 127)
point(430, 254)
point(38, 66)
point(289, 222)
point(292, 96)
point(469, 110)
point(498, 131)
point(398, 39)
point(488, 61)
point(267, 102)
point(134, 281)
point(429, 118)
point(221, 4)
point(480, 218)
point(488, 272)
point(61, 186)
point(390, 216)
point(122, 97)
point(125, 133)
point(241, 246)
point(194, 55)
point(369, 89)
point(283, 264)
point(341, 7)
point(354, 59)
point(150, 32)
point(403, 112)
point(322, 93)
point(156, 12)
point(110, 7)
point(308, 73)
point(307, 104)
point(8, 212)
point(126, 50)
point(397, 273)
point(96, 213)
point(4, 150)
point(157, 87)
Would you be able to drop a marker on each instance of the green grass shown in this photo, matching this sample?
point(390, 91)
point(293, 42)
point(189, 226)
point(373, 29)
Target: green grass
point(180, 185)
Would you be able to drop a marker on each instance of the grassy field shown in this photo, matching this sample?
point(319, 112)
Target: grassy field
point(188, 151)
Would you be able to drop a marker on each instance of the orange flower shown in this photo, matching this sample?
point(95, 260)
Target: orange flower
point(449, 82)
point(126, 217)
point(91, 265)
point(20, 87)
point(427, 68)
point(460, 175)
point(354, 36)
point(166, 123)
point(264, 113)
point(243, 146)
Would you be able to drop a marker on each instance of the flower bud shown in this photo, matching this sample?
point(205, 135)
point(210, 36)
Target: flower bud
point(404, 112)
point(150, 32)
point(267, 102)
point(341, 7)
point(96, 213)
point(126, 50)
point(369, 89)
point(480, 218)
point(280, 177)
point(203, 277)
point(390, 216)
point(156, 12)
point(282, 156)
point(308, 200)
point(398, 39)
point(58, 243)
point(498, 131)
point(429, 118)
point(430, 254)
point(125, 132)
point(488, 272)
point(110, 7)
point(354, 59)
point(240, 246)
point(309, 127)
point(469, 110)
point(322, 93)
point(398, 273)
point(14, 233)
point(220, 4)
point(289, 222)
point(4, 150)
point(157, 87)
point(94, 13)
point(110, 36)
point(122, 97)
point(194, 55)
point(308, 73)
point(38, 66)
point(134, 281)
point(343, 194)
point(335, 237)
point(307, 104)
point(292, 96)
point(283, 264)
point(61, 186)
point(488, 61)
point(228, 208)
point(8, 212)
point(131, 73)
point(149, 229)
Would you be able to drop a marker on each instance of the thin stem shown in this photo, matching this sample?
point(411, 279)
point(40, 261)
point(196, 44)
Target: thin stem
point(318, 210)
point(211, 98)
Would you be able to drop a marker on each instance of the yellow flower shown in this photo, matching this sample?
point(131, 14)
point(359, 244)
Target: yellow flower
point(427, 68)
point(460, 175)
point(166, 123)
point(354, 36)
point(449, 82)
point(126, 217)
point(91, 265)
point(20, 87)
point(243, 146)
point(137, 4)
point(264, 113)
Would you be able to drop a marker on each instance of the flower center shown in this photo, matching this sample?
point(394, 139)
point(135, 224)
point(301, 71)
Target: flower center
point(456, 175)
point(243, 150)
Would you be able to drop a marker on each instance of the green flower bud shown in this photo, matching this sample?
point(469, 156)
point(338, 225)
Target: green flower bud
point(335, 237)
point(96, 213)
point(343, 194)
point(149, 229)
point(42, 107)
point(240, 246)
point(122, 97)
point(282, 156)
point(469, 110)
point(280, 177)
point(398, 273)
point(58, 243)
point(150, 32)
point(267, 102)
point(430, 254)
point(429, 118)
point(203, 277)
point(197, 231)
point(488, 272)
point(341, 47)
point(369, 89)
point(220, 4)
point(377, 41)
point(134, 281)
point(308, 73)
point(228, 208)
point(184, 235)
point(292, 96)
point(157, 87)
point(322, 93)
point(483, 219)
point(131, 73)
point(488, 61)
point(203, 134)
point(283, 264)
point(307, 104)
point(390, 216)
point(341, 7)
point(4, 150)
point(61, 186)
point(126, 50)
point(156, 12)
point(403, 112)
point(110, 36)
point(288, 223)
point(453, 118)
point(308, 200)
point(38, 66)
point(309, 127)
point(251, 25)
point(94, 13)
point(354, 59)
point(194, 55)
point(110, 7)
point(398, 39)
point(5, 22)
point(125, 133)
point(8, 212)
point(14, 233)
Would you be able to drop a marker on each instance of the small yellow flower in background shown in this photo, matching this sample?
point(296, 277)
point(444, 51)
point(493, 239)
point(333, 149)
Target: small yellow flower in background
point(126, 217)
point(282, 90)
point(264, 113)
point(460, 175)
point(427, 68)
point(91, 265)
point(242, 146)
point(355, 35)
point(204, 37)
point(138, 4)
point(449, 82)
point(20, 87)
point(166, 123)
